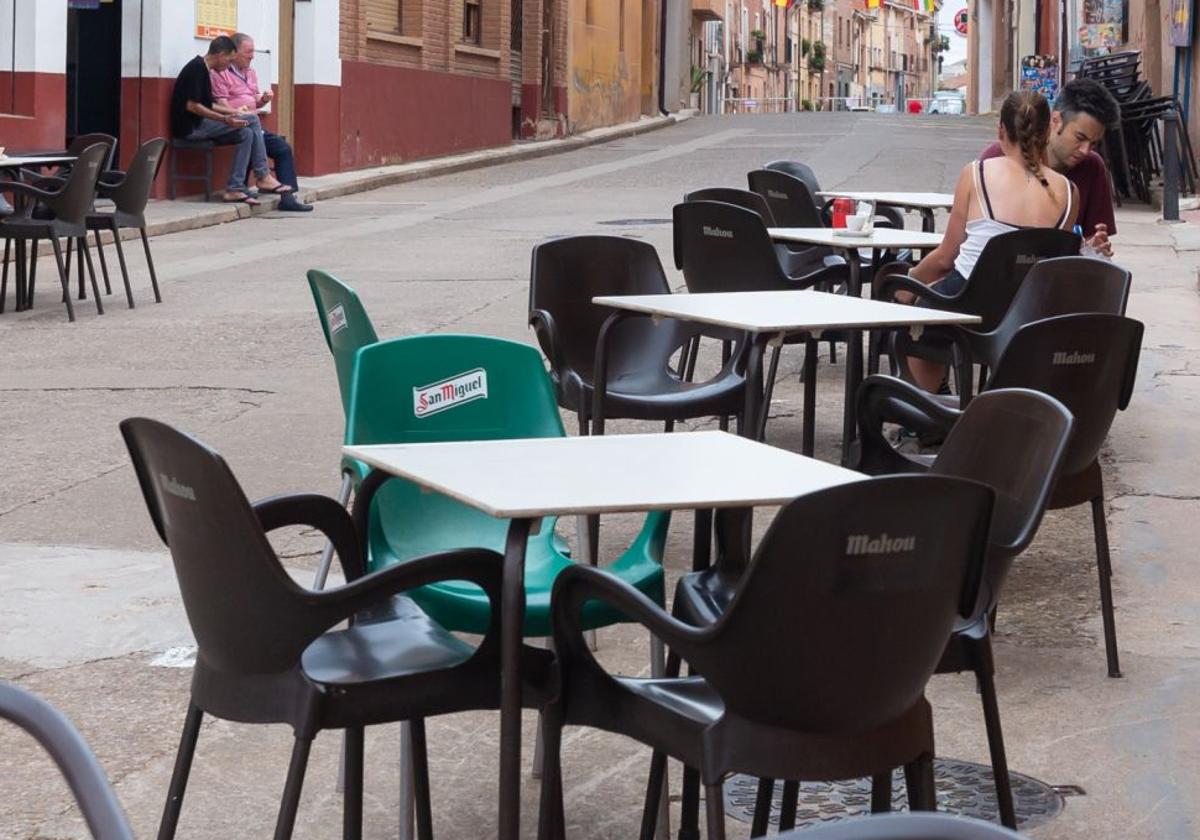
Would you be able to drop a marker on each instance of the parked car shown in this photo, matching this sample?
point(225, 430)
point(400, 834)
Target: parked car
point(948, 102)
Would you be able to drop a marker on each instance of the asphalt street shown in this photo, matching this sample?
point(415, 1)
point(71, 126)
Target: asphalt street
point(89, 611)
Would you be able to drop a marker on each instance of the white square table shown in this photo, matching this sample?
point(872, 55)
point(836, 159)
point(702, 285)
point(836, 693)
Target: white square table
point(923, 202)
point(526, 480)
point(769, 317)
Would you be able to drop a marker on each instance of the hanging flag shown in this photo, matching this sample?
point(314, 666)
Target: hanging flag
point(872, 4)
point(930, 6)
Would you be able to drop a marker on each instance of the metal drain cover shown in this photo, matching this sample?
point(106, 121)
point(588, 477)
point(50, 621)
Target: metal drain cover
point(635, 222)
point(962, 788)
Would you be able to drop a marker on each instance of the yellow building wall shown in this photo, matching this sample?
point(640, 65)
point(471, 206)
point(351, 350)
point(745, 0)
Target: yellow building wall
point(605, 85)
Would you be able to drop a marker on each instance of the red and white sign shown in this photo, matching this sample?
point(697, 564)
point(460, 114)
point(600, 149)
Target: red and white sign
point(450, 393)
point(961, 17)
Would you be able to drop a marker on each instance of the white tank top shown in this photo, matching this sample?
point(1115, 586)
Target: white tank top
point(980, 230)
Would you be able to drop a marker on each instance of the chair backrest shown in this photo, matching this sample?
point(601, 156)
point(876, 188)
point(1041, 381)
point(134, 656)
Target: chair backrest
point(134, 192)
point(723, 248)
point(72, 203)
point(905, 827)
point(1002, 267)
point(345, 324)
point(1015, 441)
point(74, 758)
point(741, 198)
point(83, 141)
point(567, 273)
point(232, 584)
point(1086, 362)
point(798, 170)
point(789, 198)
point(429, 388)
point(840, 626)
point(1069, 286)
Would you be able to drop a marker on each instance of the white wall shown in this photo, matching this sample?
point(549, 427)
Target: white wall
point(318, 60)
point(41, 37)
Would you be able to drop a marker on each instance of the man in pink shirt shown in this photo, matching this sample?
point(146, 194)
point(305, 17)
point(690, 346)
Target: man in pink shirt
point(236, 91)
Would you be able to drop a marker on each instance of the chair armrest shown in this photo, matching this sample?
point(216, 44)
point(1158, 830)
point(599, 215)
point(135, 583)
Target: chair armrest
point(323, 513)
point(894, 215)
point(886, 289)
point(479, 566)
point(109, 181)
point(26, 189)
point(887, 399)
point(578, 584)
point(547, 333)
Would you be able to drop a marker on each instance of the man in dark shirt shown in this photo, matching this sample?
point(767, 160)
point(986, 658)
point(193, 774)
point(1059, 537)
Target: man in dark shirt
point(1083, 111)
point(193, 118)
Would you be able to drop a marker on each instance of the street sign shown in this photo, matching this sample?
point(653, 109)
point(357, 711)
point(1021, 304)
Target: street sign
point(961, 18)
point(1181, 23)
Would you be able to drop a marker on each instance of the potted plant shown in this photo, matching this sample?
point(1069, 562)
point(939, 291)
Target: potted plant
point(816, 59)
point(699, 78)
point(754, 57)
point(805, 46)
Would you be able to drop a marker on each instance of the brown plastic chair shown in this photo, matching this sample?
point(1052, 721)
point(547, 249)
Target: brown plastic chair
point(859, 609)
point(65, 212)
point(129, 192)
point(396, 666)
point(89, 785)
point(1088, 362)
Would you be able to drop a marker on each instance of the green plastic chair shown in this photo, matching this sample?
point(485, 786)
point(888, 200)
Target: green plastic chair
point(500, 390)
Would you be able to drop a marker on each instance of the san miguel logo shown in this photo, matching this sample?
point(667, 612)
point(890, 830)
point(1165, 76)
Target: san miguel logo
point(1073, 358)
point(864, 544)
point(450, 393)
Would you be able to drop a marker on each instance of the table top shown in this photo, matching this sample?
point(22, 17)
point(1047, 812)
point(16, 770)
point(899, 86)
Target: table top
point(784, 312)
point(608, 474)
point(34, 160)
point(914, 200)
point(881, 237)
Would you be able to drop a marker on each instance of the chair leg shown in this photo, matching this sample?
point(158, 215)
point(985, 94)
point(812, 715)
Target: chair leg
point(714, 810)
point(33, 262)
point(104, 268)
point(62, 276)
point(654, 795)
point(762, 807)
point(881, 792)
point(150, 264)
point(327, 553)
point(995, 735)
point(551, 819)
point(4, 277)
point(91, 268)
point(70, 255)
point(689, 807)
point(787, 809)
point(352, 795)
point(1104, 567)
point(291, 790)
point(918, 779)
point(81, 246)
point(420, 776)
point(408, 788)
point(183, 767)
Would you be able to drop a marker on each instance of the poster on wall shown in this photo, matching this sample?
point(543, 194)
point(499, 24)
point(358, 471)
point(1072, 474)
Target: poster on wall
point(1181, 23)
point(1101, 25)
point(1040, 73)
point(216, 17)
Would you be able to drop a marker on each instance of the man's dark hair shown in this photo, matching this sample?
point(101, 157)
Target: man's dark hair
point(222, 45)
point(1087, 96)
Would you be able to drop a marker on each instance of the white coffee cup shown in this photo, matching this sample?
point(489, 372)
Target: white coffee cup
point(856, 223)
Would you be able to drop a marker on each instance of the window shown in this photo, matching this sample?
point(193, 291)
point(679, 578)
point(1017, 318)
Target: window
point(472, 22)
point(589, 12)
point(621, 25)
point(394, 17)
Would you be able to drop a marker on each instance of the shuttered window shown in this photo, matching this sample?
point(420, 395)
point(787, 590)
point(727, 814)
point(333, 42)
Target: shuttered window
point(384, 16)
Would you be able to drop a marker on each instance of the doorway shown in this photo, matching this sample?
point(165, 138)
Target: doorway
point(93, 67)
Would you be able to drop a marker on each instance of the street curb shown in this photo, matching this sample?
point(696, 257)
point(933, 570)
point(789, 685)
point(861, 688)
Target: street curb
point(372, 179)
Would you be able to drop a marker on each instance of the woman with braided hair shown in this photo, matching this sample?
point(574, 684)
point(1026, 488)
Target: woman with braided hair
point(1013, 191)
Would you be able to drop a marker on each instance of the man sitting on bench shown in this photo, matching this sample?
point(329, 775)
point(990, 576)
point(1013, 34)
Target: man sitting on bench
point(193, 118)
point(236, 91)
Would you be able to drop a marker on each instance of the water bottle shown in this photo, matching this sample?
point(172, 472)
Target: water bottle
point(1085, 249)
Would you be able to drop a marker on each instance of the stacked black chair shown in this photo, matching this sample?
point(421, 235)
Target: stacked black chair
point(999, 272)
point(1086, 361)
point(90, 787)
point(633, 356)
point(52, 214)
point(397, 666)
point(872, 596)
point(130, 192)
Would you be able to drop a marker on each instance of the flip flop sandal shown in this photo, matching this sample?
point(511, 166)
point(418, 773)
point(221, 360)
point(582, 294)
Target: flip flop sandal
point(242, 198)
point(282, 189)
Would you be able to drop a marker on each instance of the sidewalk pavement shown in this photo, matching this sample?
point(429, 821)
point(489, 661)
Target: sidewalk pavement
point(175, 216)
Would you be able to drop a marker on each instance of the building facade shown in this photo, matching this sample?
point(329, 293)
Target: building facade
point(358, 83)
point(878, 56)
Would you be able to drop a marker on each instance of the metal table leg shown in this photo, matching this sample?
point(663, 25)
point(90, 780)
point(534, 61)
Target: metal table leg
point(512, 599)
point(853, 366)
